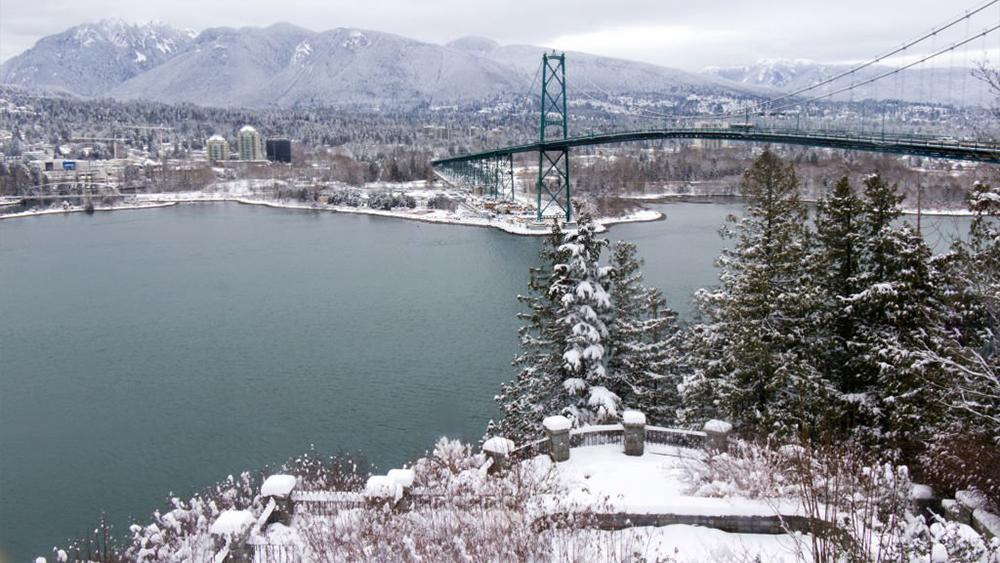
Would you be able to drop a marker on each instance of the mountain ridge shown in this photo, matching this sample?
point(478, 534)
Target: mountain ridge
point(287, 65)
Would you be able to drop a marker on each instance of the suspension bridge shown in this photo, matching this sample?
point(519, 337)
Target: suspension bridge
point(493, 170)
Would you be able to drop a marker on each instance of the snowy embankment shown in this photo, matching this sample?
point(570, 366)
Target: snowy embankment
point(669, 196)
point(249, 192)
point(81, 209)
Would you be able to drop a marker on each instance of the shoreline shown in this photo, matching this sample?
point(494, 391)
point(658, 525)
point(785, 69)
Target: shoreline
point(667, 197)
point(155, 201)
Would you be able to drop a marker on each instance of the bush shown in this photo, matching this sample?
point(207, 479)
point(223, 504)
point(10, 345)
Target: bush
point(349, 198)
point(389, 200)
point(442, 202)
point(964, 460)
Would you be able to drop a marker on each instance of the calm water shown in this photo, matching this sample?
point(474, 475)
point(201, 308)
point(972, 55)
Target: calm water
point(149, 352)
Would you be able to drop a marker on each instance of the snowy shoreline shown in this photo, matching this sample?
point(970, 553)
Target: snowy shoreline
point(153, 201)
point(670, 197)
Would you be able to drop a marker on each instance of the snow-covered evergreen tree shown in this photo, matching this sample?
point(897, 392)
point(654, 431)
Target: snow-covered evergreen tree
point(643, 355)
point(585, 309)
point(526, 400)
point(974, 297)
point(562, 359)
point(899, 308)
point(836, 266)
point(750, 355)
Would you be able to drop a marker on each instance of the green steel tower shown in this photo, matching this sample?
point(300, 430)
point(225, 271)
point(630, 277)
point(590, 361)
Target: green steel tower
point(553, 165)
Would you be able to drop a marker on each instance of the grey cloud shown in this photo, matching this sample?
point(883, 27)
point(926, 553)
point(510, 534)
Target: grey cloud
point(820, 30)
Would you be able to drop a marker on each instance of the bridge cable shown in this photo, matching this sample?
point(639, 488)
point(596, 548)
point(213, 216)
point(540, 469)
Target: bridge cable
point(965, 17)
point(982, 35)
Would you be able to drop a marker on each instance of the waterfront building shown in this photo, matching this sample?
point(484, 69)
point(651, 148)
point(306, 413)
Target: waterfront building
point(217, 148)
point(279, 150)
point(250, 144)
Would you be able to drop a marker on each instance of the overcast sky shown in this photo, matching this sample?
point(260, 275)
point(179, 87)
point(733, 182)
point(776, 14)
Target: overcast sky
point(689, 34)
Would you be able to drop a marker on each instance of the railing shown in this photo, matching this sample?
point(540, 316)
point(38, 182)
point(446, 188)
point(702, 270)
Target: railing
point(274, 553)
point(675, 437)
point(598, 435)
point(530, 450)
point(326, 503)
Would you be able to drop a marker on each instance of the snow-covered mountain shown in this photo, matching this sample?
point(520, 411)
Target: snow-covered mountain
point(285, 65)
point(949, 85)
point(90, 59)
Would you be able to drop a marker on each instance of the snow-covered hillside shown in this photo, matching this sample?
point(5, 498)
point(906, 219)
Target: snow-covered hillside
point(286, 65)
point(89, 59)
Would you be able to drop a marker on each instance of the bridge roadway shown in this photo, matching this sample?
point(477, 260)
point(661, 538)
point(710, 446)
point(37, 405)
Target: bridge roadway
point(926, 146)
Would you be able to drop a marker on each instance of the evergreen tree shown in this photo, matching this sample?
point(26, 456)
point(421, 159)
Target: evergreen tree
point(585, 309)
point(974, 297)
point(643, 357)
point(562, 359)
point(524, 402)
point(900, 312)
point(750, 355)
point(836, 265)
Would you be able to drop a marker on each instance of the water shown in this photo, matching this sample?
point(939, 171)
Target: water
point(145, 352)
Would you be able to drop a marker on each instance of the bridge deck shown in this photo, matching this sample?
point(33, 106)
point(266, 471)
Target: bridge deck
point(913, 145)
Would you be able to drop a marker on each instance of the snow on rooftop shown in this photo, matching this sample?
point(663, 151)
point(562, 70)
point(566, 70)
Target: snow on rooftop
point(557, 423)
point(498, 445)
point(634, 418)
point(247, 129)
point(278, 486)
point(232, 523)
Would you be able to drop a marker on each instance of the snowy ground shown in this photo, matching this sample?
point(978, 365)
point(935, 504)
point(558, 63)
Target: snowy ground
point(685, 544)
point(657, 482)
point(605, 480)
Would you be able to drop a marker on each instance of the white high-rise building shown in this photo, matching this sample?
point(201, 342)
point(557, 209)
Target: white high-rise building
point(217, 148)
point(251, 144)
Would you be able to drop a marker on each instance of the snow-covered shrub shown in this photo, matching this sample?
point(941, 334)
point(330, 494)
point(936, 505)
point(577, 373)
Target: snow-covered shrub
point(964, 460)
point(458, 514)
point(859, 507)
point(748, 470)
point(389, 200)
point(349, 198)
point(443, 202)
point(181, 531)
point(961, 543)
point(317, 472)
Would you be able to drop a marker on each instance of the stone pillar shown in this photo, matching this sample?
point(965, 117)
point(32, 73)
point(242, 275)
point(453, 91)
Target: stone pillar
point(498, 449)
point(380, 490)
point(634, 423)
point(279, 488)
point(557, 429)
point(717, 436)
point(404, 478)
point(924, 503)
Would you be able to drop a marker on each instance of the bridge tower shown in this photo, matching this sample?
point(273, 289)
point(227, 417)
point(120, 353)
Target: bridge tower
point(553, 165)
